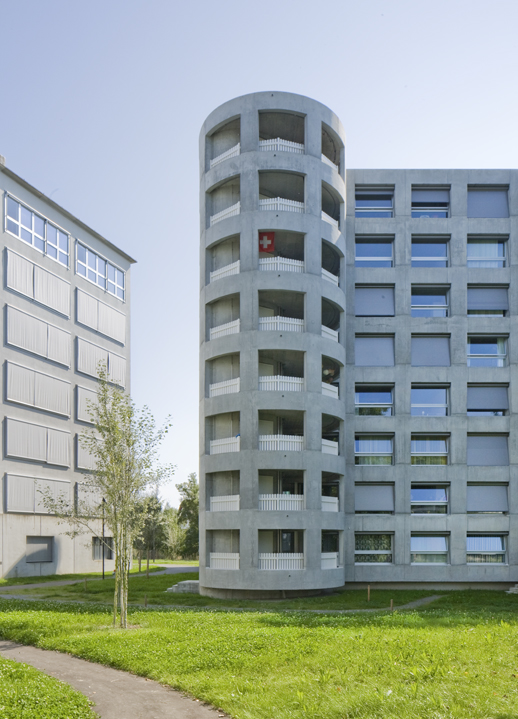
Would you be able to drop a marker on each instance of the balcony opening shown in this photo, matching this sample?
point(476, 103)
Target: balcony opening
point(281, 192)
point(222, 433)
point(281, 311)
point(281, 549)
point(331, 205)
point(222, 548)
point(222, 491)
point(330, 558)
point(331, 259)
point(330, 492)
point(281, 430)
point(331, 314)
point(281, 371)
point(224, 201)
point(281, 251)
point(332, 147)
point(281, 491)
point(224, 142)
point(222, 375)
point(330, 434)
point(222, 317)
point(281, 132)
point(330, 377)
point(223, 259)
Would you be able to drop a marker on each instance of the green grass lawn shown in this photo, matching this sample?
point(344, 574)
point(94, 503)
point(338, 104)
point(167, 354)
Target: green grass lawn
point(18, 581)
point(27, 693)
point(455, 659)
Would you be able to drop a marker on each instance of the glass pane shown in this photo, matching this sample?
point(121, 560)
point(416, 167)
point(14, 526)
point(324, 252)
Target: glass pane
point(485, 558)
point(111, 273)
point(374, 397)
point(120, 293)
point(420, 298)
point(26, 236)
point(429, 558)
point(372, 460)
point(39, 243)
point(101, 281)
point(429, 249)
point(429, 460)
point(63, 259)
point(12, 227)
point(63, 241)
point(81, 253)
point(374, 249)
point(52, 251)
point(432, 543)
point(429, 263)
point(119, 278)
point(92, 259)
point(429, 444)
point(52, 235)
point(81, 270)
point(428, 494)
point(92, 276)
point(431, 212)
point(416, 411)
point(485, 544)
point(428, 395)
point(373, 558)
point(373, 263)
point(429, 508)
point(374, 411)
point(485, 248)
point(374, 199)
point(373, 542)
point(12, 209)
point(372, 213)
point(39, 225)
point(101, 266)
point(485, 346)
point(373, 444)
point(111, 288)
point(26, 217)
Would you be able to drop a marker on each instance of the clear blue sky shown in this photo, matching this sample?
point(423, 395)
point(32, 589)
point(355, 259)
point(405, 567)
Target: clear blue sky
point(102, 102)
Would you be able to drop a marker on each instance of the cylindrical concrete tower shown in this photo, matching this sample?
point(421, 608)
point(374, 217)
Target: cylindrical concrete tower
point(272, 347)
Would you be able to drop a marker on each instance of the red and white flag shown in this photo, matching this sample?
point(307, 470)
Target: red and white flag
point(266, 241)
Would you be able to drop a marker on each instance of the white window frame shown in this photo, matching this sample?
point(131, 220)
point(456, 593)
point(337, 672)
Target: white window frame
point(376, 552)
point(416, 437)
point(432, 240)
point(423, 307)
point(365, 190)
point(374, 405)
point(108, 263)
point(446, 405)
point(381, 240)
point(499, 553)
point(430, 503)
point(430, 551)
point(487, 240)
point(380, 435)
point(501, 359)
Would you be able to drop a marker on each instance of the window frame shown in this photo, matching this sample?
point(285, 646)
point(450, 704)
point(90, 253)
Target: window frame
point(108, 263)
point(374, 240)
point(429, 289)
point(487, 239)
point(487, 553)
point(431, 387)
point(430, 503)
point(97, 549)
point(498, 356)
point(442, 209)
point(430, 240)
point(416, 437)
point(374, 552)
point(445, 553)
point(373, 405)
point(376, 211)
point(358, 455)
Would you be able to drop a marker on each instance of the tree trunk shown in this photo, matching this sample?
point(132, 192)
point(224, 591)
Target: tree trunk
point(139, 561)
point(147, 563)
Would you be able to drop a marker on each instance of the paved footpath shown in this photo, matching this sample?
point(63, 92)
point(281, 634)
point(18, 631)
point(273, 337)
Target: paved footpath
point(116, 694)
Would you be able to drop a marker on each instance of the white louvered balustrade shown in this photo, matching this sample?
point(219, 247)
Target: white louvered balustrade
point(329, 162)
point(280, 145)
point(279, 204)
point(233, 152)
point(329, 560)
point(329, 277)
point(329, 447)
point(228, 212)
point(330, 504)
point(229, 328)
point(329, 333)
point(281, 502)
point(329, 390)
point(224, 560)
point(280, 383)
point(281, 324)
point(229, 444)
point(280, 442)
point(329, 219)
point(280, 264)
point(271, 560)
point(228, 386)
point(226, 271)
point(225, 503)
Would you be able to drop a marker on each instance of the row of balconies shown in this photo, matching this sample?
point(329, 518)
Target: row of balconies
point(273, 560)
point(270, 443)
point(270, 384)
point(271, 503)
point(271, 264)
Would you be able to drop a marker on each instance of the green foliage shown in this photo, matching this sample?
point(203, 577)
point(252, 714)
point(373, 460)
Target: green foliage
point(188, 515)
point(175, 533)
point(25, 692)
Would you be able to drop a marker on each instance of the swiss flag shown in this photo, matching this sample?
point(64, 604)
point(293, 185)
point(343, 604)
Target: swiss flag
point(266, 241)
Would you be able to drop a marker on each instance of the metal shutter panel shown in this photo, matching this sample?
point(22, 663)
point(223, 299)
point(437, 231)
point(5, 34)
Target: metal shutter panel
point(487, 498)
point(112, 323)
point(487, 298)
point(51, 394)
point(58, 345)
point(374, 351)
point(430, 195)
point(374, 301)
point(84, 459)
point(430, 352)
point(20, 274)
point(488, 203)
point(26, 332)
point(487, 451)
point(85, 399)
point(27, 441)
point(20, 493)
point(58, 447)
point(55, 488)
point(51, 291)
point(117, 369)
point(20, 384)
point(89, 356)
point(87, 313)
point(487, 398)
point(374, 498)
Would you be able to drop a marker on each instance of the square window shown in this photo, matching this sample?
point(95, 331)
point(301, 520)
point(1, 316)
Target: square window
point(97, 548)
point(430, 252)
point(429, 549)
point(430, 351)
point(429, 450)
point(373, 548)
point(374, 301)
point(485, 549)
point(373, 449)
point(487, 498)
point(374, 351)
point(374, 202)
point(375, 400)
point(374, 498)
point(488, 202)
point(429, 301)
point(428, 401)
point(486, 252)
point(429, 499)
point(487, 351)
point(430, 202)
point(39, 549)
point(374, 252)
point(488, 301)
point(487, 450)
point(487, 400)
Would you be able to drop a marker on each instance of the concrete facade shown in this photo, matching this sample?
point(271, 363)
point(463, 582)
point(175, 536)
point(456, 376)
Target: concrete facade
point(56, 326)
point(281, 463)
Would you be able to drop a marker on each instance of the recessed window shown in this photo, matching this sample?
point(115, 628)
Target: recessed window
point(373, 449)
point(373, 548)
point(430, 351)
point(486, 252)
point(429, 499)
point(429, 401)
point(430, 202)
point(35, 230)
point(429, 450)
point(429, 252)
point(374, 350)
point(487, 351)
point(488, 202)
point(487, 498)
point(374, 301)
point(96, 269)
point(374, 202)
point(39, 549)
point(97, 548)
point(485, 549)
point(429, 549)
point(487, 450)
point(374, 498)
point(429, 301)
point(375, 400)
point(374, 252)
point(488, 301)
point(487, 400)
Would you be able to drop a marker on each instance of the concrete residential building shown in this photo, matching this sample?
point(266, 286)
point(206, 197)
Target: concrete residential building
point(65, 308)
point(358, 359)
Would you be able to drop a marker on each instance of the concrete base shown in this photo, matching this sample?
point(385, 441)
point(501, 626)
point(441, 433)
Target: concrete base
point(190, 586)
point(446, 586)
point(262, 594)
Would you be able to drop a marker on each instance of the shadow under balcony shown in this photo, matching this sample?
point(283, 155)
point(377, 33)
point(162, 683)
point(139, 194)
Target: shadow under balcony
point(281, 430)
point(222, 317)
point(222, 491)
point(281, 371)
point(330, 377)
point(222, 375)
point(224, 201)
point(331, 315)
point(281, 251)
point(330, 492)
point(331, 205)
point(330, 434)
point(332, 147)
point(281, 549)
point(281, 192)
point(281, 490)
point(330, 263)
point(223, 433)
point(281, 311)
point(223, 548)
point(223, 259)
point(281, 132)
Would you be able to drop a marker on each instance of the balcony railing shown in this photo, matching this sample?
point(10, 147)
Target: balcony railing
point(279, 204)
point(270, 560)
point(280, 442)
point(329, 560)
point(281, 502)
point(328, 390)
point(225, 503)
point(330, 504)
point(280, 145)
point(329, 333)
point(280, 383)
point(229, 444)
point(280, 264)
point(281, 324)
point(233, 152)
point(228, 212)
point(228, 386)
point(229, 328)
point(329, 447)
point(226, 271)
point(329, 162)
point(326, 276)
point(330, 219)
point(224, 560)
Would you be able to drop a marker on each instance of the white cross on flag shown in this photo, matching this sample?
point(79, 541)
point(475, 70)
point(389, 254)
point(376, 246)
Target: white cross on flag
point(266, 241)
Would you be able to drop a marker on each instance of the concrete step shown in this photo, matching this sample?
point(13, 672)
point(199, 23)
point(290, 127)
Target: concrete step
point(513, 590)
